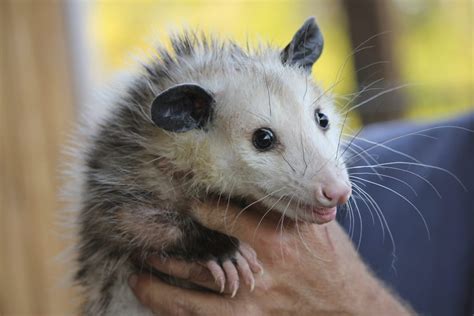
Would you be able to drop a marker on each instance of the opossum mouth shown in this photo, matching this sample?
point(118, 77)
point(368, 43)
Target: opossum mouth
point(302, 212)
point(321, 215)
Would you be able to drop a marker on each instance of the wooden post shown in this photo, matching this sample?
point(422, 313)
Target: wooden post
point(371, 19)
point(36, 108)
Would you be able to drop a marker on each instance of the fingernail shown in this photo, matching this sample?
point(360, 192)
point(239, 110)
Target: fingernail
point(132, 280)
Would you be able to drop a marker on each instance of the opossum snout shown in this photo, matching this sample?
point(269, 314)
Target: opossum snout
point(333, 194)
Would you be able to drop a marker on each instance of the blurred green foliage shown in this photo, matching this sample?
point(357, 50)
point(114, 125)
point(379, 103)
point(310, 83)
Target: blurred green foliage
point(433, 40)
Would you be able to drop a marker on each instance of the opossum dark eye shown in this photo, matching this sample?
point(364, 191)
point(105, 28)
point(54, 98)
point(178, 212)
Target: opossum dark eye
point(264, 139)
point(321, 119)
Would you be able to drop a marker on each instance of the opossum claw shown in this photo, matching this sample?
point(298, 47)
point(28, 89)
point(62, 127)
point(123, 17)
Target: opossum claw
point(217, 273)
point(244, 271)
point(227, 273)
point(232, 276)
point(251, 256)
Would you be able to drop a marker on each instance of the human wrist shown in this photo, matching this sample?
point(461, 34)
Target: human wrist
point(368, 296)
point(350, 287)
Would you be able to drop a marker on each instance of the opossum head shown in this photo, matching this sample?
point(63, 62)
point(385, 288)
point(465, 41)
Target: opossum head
point(256, 125)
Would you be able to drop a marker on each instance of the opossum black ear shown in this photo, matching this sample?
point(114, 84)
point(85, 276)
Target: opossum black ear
point(182, 108)
point(305, 47)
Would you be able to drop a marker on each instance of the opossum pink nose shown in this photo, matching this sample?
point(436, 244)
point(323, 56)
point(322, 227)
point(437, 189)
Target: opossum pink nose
point(337, 194)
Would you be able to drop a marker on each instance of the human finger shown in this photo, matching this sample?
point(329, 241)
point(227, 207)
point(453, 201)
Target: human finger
point(164, 299)
point(190, 271)
point(244, 223)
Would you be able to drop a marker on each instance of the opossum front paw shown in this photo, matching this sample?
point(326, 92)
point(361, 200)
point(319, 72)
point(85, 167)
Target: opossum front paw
point(229, 270)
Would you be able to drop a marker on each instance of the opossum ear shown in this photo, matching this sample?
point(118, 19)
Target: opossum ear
point(305, 47)
point(182, 108)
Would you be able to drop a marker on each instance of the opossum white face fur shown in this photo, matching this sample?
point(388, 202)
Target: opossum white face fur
point(256, 125)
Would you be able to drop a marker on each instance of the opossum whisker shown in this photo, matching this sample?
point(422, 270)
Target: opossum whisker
point(351, 141)
point(282, 226)
point(401, 196)
point(414, 164)
point(369, 208)
point(282, 219)
point(359, 93)
point(265, 214)
point(296, 223)
point(349, 96)
point(418, 176)
point(374, 205)
point(364, 102)
point(366, 159)
point(303, 153)
point(253, 203)
point(382, 144)
point(347, 99)
point(371, 38)
point(363, 195)
point(376, 162)
point(350, 214)
point(387, 176)
point(356, 207)
point(357, 147)
point(311, 251)
point(417, 133)
point(377, 96)
point(356, 50)
point(324, 93)
point(338, 78)
point(340, 135)
point(323, 165)
point(382, 217)
point(380, 62)
point(286, 160)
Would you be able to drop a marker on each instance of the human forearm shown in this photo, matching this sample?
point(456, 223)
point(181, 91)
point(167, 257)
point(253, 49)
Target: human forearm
point(361, 293)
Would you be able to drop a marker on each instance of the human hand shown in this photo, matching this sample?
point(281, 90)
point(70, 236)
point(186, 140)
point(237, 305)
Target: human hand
point(308, 269)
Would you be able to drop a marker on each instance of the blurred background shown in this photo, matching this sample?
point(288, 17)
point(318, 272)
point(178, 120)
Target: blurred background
point(56, 55)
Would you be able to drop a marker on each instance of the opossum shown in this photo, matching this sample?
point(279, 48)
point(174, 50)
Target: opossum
point(204, 118)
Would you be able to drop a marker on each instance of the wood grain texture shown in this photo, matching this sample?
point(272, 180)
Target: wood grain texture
point(36, 110)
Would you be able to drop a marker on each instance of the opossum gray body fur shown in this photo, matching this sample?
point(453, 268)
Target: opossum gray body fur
point(206, 117)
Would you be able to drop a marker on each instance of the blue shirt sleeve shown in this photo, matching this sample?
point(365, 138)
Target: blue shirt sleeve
point(414, 222)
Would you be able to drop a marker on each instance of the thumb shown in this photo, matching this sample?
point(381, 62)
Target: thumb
point(242, 222)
